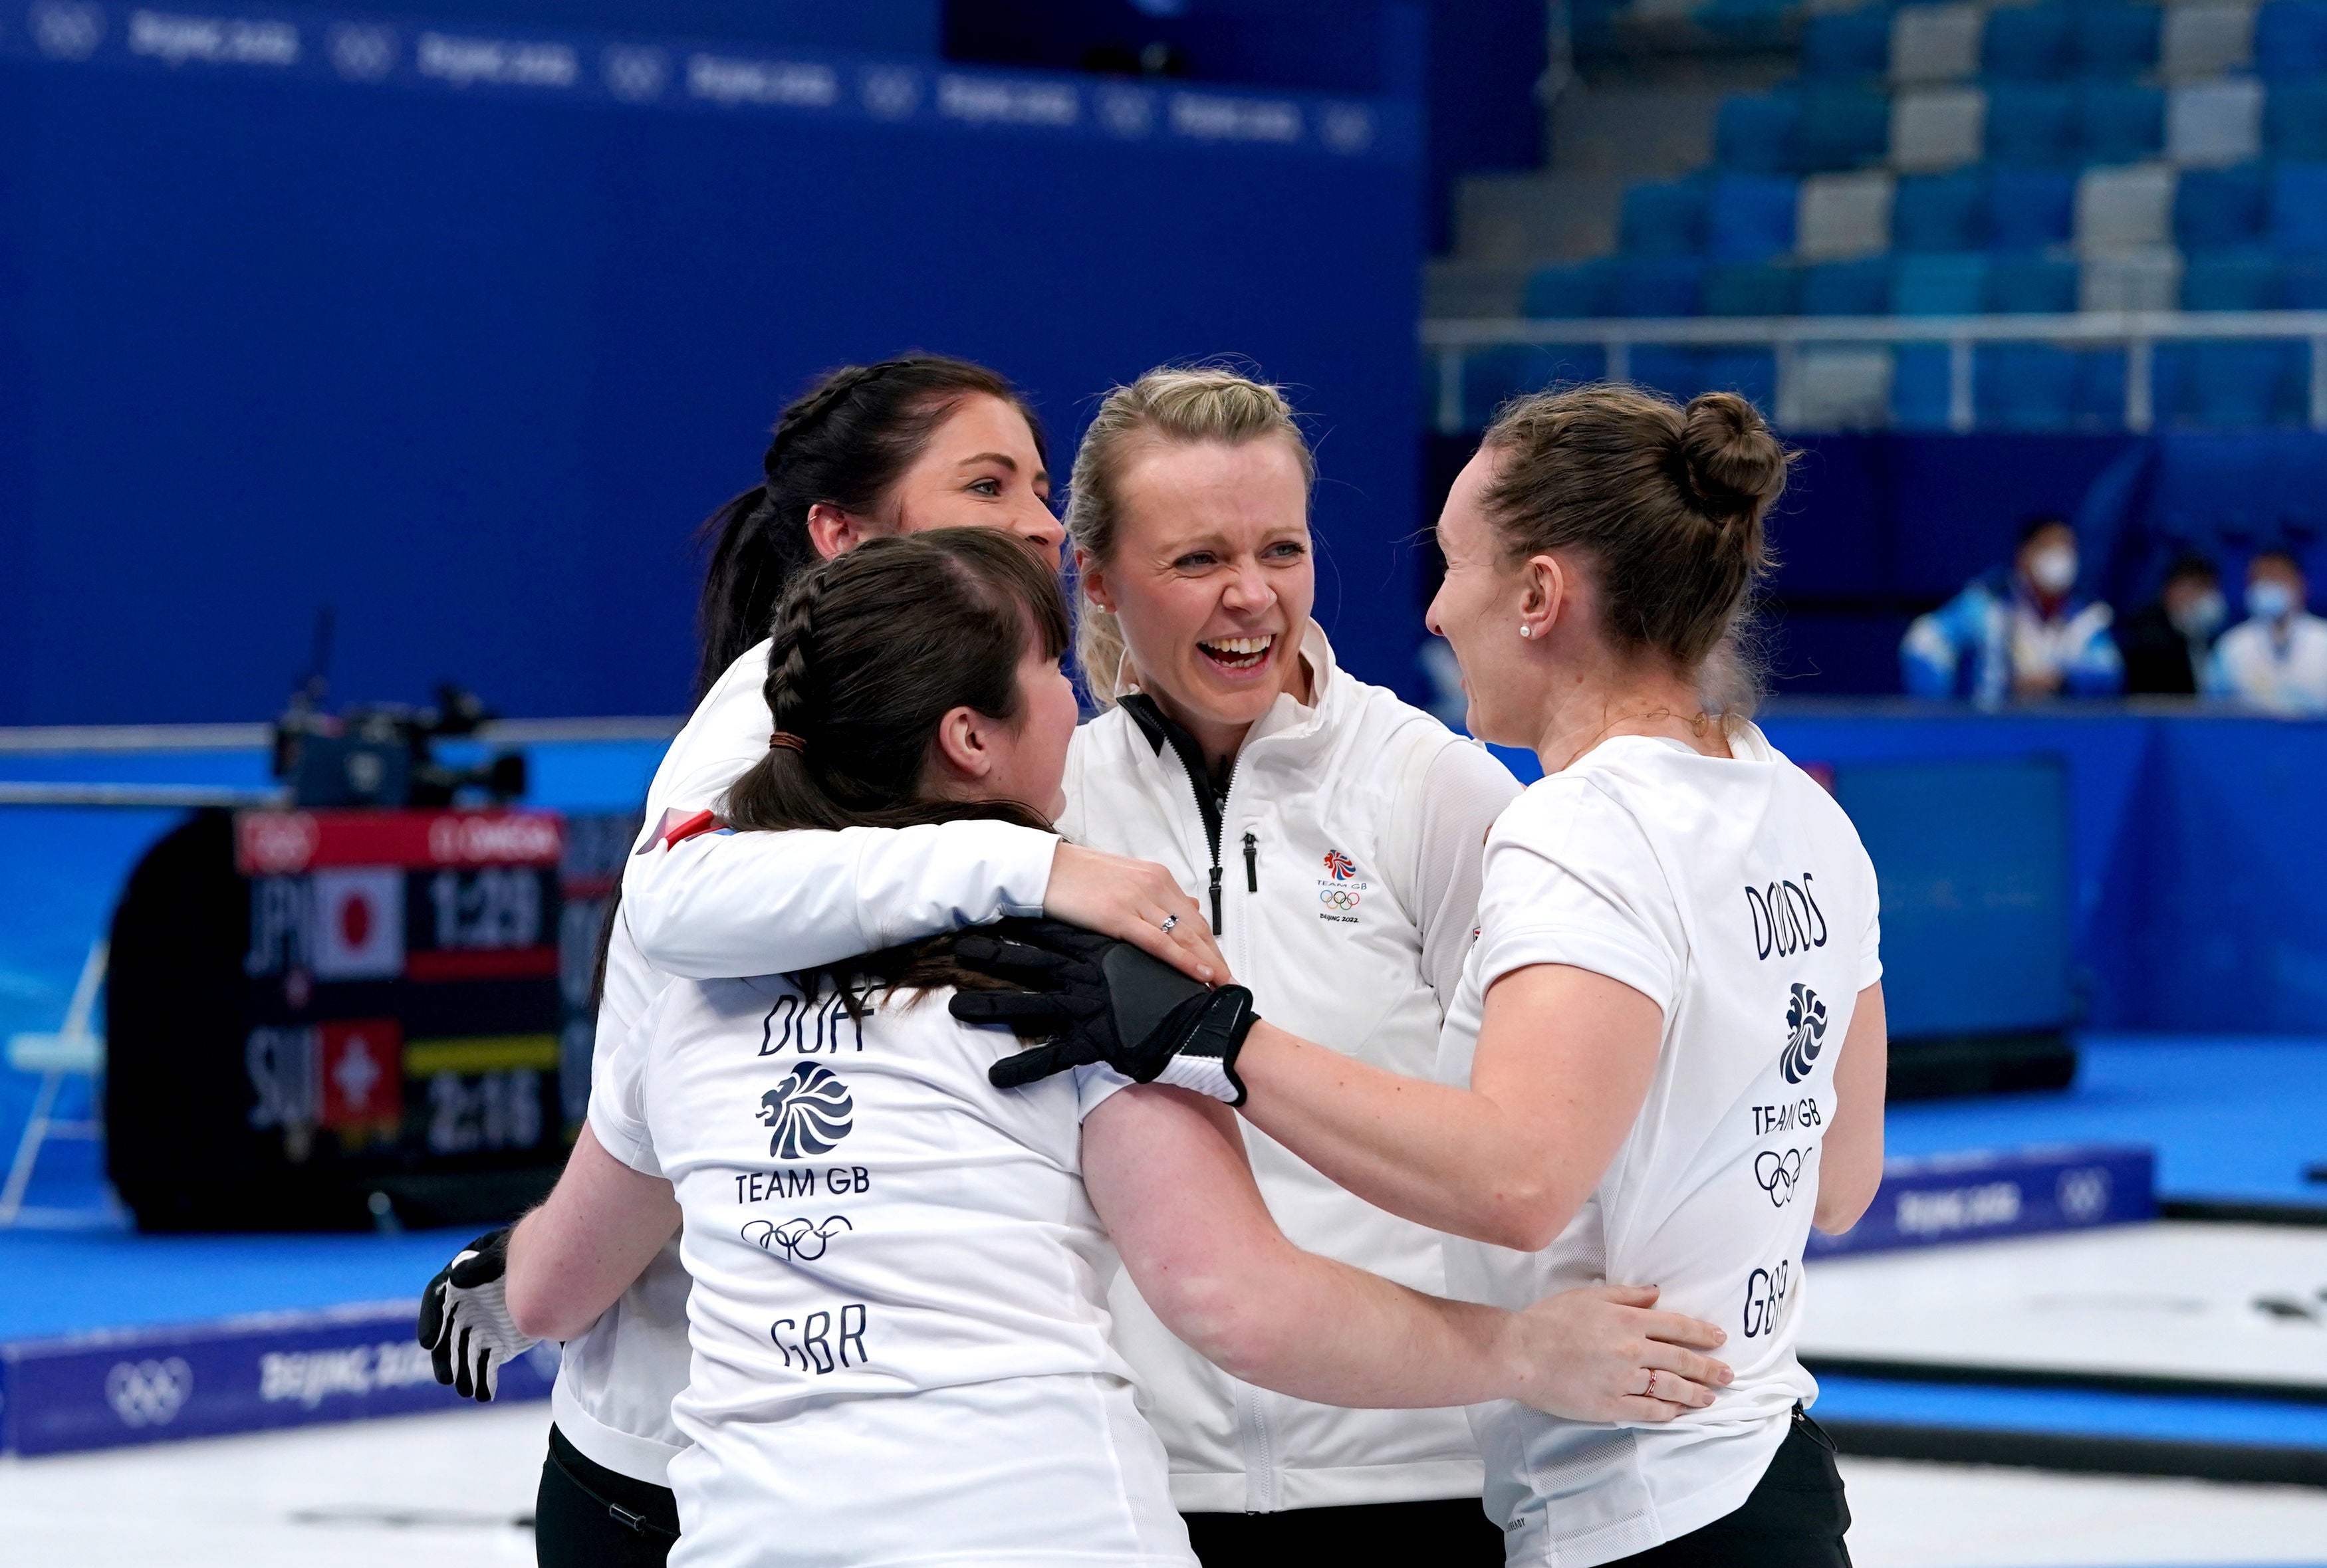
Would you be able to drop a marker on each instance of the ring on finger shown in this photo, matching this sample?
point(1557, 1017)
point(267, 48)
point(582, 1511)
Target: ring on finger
point(1169, 921)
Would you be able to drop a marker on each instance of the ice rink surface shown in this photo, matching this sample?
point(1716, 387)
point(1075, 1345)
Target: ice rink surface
point(2231, 1303)
point(449, 1491)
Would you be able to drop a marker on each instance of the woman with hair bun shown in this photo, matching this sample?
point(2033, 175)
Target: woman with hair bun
point(1665, 1061)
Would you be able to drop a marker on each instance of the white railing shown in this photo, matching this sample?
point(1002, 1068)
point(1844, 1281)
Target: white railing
point(2137, 331)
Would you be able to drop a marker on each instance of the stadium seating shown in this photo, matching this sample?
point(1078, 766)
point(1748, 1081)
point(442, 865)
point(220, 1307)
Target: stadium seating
point(1968, 158)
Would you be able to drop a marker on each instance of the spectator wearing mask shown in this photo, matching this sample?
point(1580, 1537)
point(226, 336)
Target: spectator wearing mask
point(2277, 658)
point(2019, 631)
point(2167, 644)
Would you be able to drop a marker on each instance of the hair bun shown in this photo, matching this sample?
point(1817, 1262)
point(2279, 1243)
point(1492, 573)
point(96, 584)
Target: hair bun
point(1733, 463)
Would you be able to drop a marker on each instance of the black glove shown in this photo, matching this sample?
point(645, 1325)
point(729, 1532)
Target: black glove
point(1099, 1000)
point(465, 1319)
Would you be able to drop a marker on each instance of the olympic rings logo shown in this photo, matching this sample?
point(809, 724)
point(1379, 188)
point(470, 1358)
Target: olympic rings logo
point(800, 1239)
point(149, 1393)
point(1777, 1174)
point(1338, 897)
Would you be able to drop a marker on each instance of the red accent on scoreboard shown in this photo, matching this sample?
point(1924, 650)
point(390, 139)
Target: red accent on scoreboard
point(361, 1064)
point(480, 963)
point(287, 843)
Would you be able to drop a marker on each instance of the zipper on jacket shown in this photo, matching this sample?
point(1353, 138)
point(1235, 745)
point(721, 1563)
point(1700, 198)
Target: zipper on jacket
point(1251, 863)
point(1211, 800)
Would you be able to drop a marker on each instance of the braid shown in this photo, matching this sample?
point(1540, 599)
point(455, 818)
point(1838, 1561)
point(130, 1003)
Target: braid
point(808, 412)
point(791, 653)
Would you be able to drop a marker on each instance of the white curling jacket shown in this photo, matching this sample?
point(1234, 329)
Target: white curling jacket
point(1346, 859)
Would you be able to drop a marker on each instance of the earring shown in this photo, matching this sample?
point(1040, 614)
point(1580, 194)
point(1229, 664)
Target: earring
point(1525, 632)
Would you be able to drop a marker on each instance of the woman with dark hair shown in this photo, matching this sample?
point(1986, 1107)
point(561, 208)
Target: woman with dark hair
point(900, 447)
point(1666, 1057)
point(898, 1317)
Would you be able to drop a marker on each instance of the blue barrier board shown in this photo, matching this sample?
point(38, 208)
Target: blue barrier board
point(1980, 1195)
point(246, 1374)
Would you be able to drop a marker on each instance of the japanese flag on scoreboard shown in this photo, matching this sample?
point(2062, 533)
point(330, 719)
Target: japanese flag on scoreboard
point(359, 923)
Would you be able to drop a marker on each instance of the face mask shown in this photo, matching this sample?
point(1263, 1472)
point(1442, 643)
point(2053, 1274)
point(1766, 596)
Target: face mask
point(2053, 571)
point(2201, 615)
point(2269, 600)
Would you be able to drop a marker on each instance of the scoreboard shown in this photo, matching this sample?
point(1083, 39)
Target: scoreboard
point(330, 1019)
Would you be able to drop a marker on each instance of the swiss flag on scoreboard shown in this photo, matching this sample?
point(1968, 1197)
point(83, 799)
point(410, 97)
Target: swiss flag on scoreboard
point(359, 923)
point(362, 1063)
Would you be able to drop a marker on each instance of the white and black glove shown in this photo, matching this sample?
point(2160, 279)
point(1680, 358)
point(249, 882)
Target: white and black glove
point(465, 1318)
point(1098, 1000)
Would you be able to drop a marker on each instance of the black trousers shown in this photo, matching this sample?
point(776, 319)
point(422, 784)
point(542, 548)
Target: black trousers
point(1795, 1519)
point(589, 1517)
point(1451, 1533)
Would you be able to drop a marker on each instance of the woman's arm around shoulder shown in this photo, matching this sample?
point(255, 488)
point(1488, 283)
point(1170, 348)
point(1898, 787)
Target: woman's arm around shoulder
point(1167, 1173)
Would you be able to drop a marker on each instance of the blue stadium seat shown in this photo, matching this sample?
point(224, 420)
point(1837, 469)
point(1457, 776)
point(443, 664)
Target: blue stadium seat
point(2216, 209)
point(2027, 42)
point(2024, 386)
point(1744, 23)
point(1752, 371)
point(1658, 285)
point(1750, 288)
point(1844, 44)
point(2023, 284)
point(1939, 212)
point(2244, 279)
point(1675, 371)
point(2039, 387)
point(1492, 376)
point(2028, 209)
point(1663, 217)
point(2114, 38)
point(1954, 283)
point(2290, 39)
point(1750, 217)
point(1754, 132)
point(2231, 385)
point(2303, 283)
point(1686, 372)
point(1918, 387)
point(1841, 127)
point(1570, 289)
point(2031, 125)
point(2298, 207)
point(2294, 121)
point(2120, 121)
point(1848, 288)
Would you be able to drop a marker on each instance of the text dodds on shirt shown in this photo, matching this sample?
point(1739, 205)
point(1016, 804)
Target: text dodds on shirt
point(1787, 919)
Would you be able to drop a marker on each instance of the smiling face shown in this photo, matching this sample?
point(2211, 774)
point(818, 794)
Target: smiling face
point(1211, 581)
point(980, 468)
point(1478, 611)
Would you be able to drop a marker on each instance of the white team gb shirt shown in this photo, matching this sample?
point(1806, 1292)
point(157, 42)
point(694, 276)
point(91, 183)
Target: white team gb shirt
point(1734, 894)
point(831, 896)
point(898, 1322)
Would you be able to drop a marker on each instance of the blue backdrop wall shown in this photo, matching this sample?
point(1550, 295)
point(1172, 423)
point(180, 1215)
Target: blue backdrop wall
point(463, 336)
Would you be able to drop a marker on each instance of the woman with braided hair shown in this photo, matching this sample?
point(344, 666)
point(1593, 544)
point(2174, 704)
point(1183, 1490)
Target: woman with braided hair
point(903, 446)
point(898, 1320)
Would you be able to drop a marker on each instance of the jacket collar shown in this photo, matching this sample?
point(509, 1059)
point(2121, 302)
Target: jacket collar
point(1287, 718)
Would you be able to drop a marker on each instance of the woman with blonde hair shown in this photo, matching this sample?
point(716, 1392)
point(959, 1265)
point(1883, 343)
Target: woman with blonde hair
point(1638, 1079)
